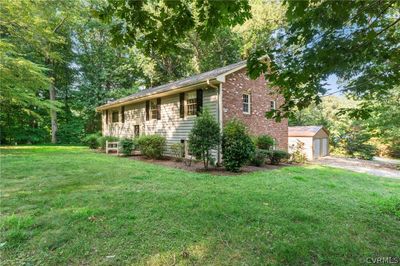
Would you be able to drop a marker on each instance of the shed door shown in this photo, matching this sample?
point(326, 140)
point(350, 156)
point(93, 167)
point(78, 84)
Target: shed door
point(325, 147)
point(317, 148)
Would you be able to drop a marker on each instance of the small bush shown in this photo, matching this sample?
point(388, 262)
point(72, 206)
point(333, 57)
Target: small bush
point(178, 150)
point(264, 142)
point(298, 155)
point(276, 156)
point(237, 146)
point(152, 146)
point(92, 141)
point(102, 141)
point(365, 152)
point(126, 146)
point(259, 157)
point(204, 136)
point(356, 145)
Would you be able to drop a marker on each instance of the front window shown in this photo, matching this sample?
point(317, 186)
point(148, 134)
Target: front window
point(246, 103)
point(115, 116)
point(153, 109)
point(191, 103)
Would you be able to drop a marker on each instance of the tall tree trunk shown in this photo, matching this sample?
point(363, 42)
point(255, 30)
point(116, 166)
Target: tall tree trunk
point(53, 115)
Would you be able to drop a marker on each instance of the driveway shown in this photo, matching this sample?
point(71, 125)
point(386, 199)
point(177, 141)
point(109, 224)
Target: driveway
point(375, 167)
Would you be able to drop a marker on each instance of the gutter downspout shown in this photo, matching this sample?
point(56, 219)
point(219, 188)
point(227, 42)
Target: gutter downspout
point(220, 112)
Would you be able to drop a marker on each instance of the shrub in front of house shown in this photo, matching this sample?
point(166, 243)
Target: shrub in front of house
point(277, 156)
point(151, 146)
point(127, 146)
point(204, 137)
point(264, 142)
point(237, 146)
point(178, 150)
point(92, 141)
point(103, 139)
point(258, 158)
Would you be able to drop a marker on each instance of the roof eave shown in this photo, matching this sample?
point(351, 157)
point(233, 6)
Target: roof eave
point(157, 94)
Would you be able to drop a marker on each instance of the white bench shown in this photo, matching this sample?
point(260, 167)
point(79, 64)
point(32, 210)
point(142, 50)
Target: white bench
point(112, 146)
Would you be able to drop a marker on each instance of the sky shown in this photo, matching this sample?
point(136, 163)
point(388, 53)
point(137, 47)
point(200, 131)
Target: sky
point(332, 85)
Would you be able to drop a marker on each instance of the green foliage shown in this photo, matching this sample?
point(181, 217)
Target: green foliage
point(71, 130)
point(103, 139)
point(258, 157)
point(152, 146)
point(127, 146)
point(204, 136)
point(178, 151)
point(92, 140)
point(237, 146)
point(264, 142)
point(355, 144)
point(277, 156)
point(203, 17)
point(355, 40)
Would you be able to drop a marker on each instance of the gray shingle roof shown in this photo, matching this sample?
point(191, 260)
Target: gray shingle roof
point(179, 83)
point(304, 131)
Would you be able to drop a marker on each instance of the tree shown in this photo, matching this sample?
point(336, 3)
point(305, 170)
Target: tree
point(204, 136)
point(355, 40)
point(161, 25)
point(384, 122)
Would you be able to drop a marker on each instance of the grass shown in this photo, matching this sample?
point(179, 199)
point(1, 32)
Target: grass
point(68, 205)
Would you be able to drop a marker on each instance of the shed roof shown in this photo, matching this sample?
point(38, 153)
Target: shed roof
point(305, 131)
point(192, 80)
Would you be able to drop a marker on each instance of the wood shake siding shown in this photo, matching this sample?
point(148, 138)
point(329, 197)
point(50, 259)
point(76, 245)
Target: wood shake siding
point(171, 125)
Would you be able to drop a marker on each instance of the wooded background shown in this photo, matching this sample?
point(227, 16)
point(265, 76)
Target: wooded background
point(62, 59)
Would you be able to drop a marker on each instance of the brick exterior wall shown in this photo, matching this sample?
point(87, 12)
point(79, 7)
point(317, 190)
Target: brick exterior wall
point(237, 84)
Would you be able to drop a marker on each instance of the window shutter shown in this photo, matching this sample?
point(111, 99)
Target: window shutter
point(123, 114)
point(158, 108)
point(199, 98)
point(106, 117)
point(182, 105)
point(147, 110)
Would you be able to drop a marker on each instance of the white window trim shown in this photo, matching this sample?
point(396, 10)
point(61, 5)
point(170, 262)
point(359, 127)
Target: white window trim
point(249, 103)
point(151, 110)
point(186, 109)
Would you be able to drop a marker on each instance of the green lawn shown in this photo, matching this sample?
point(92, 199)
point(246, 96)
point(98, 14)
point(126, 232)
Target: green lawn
point(68, 205)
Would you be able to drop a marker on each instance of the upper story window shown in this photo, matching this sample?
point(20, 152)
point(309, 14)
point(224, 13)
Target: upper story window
point(115, 116)
point(246, 104)
point(153, 109)
point(191, 103)
point(272, 105)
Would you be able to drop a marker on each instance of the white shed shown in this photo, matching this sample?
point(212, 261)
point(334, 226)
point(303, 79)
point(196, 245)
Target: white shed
point(315, 139)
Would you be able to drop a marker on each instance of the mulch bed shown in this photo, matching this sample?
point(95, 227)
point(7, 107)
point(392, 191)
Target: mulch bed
point(198, 167)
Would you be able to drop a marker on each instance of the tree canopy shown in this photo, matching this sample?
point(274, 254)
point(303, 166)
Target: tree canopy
point(358, 41)
point(61, 59)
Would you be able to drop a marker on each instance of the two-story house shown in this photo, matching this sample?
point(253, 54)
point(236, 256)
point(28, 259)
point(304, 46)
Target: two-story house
point(171, 109)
